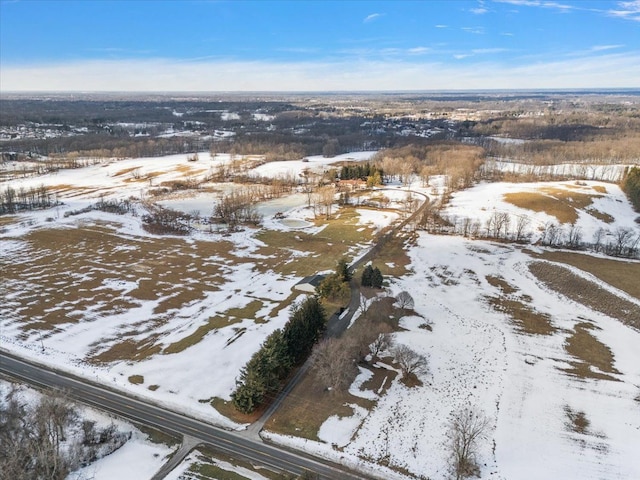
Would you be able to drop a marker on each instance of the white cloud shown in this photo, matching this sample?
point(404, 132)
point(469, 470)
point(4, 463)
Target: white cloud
point(475, 30)
point(169, 75)
point(481, 9)
point(486, 51)
point(418, 50)
point(602, 48)
point(372, 17)
point(442, 26)
point(539, 3)
point(629, 10)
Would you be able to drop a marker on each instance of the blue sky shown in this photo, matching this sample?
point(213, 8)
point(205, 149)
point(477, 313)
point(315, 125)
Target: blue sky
point(299, 45)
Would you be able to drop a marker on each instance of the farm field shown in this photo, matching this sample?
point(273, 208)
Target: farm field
point(541, 341)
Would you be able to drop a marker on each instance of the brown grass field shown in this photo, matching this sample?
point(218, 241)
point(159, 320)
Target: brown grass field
point(622, 274)
point(584, 291)
point(560, 203)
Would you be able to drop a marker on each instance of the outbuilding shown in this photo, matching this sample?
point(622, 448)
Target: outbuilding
point(309, 284)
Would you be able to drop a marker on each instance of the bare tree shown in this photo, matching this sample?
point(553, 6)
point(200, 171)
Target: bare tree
point(574, 236)
point(468, 427)
point(622, 236)
point(410, 361)
point(404, 300)
point(333, 365)
point(522, 223)
point(323, 198)
point(598, 237)
point(383, 342)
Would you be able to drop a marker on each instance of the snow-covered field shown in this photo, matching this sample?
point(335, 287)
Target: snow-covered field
point(479, 358)
point(200, 306)
point(122, 287)
point(604, 200)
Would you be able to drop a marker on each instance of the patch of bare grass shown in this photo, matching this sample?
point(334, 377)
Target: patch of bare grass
point(586, 292)
point(620, 274)
point(308, 406)
point(8, 220)
point(136, 379)
point(502, 284)
point(127, 349)
point(577, 420)
point(595, 358)
point(392, 259)
point(557, 202)
point(381, 380)
point(527, 319)
point(227, 409)
point(320, 250)
point(230, 317)
point(604, 217)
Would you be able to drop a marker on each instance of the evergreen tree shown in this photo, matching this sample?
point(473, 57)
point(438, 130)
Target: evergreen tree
point(304, 328)
point(249, 392)
point(342, 270)
point(376, 278)
point(367, 275)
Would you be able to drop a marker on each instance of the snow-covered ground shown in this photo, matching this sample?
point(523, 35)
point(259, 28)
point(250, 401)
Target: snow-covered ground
point(483, 200)
point(173, 378)
point(138, 458)
point(479, 359)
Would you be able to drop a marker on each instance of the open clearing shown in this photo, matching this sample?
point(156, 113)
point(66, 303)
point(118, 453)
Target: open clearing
point(543, 342)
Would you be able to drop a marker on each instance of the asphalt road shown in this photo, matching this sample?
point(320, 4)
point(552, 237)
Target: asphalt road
point(233, 444)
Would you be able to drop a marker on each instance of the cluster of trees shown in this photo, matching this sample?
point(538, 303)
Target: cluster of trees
point(371, 277)
point(336, 285)
point(119, 207)
point(631, 187)
point(235, 208)
point(460, 162)
point(12, 200)
point(335, 360)
point(619, 242)
point(360, 171)
point(270, 149)
point(284, 349)
point(37, 443)
point(163, 221)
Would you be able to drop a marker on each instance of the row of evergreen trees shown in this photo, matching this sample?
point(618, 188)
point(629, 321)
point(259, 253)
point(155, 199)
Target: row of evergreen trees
point(631, 187)
point(263, 374)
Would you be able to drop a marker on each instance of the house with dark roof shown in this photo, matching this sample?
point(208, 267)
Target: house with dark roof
point(309, 284)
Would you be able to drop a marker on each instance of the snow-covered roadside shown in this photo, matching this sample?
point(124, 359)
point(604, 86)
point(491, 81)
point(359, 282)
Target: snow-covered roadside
point(194, 459)
point(138, 458)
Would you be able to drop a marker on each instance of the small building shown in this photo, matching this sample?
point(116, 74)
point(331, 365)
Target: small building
point(309, 284)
